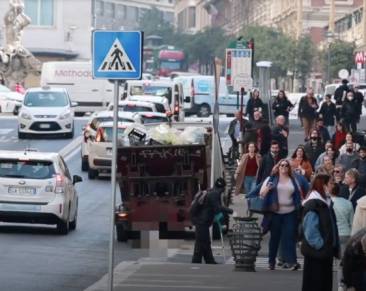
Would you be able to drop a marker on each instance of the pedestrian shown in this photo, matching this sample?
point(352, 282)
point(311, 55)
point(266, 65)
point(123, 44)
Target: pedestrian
point(349, 140)
point(328, 112)
point(353, 191)
point(307, 112)
point(235, 127)
point(359, 100)
point(339, 137)
point(314, 147)
point(359, 220)
point(268, 162)
point(327, 168)
point(263, 133)
point(354, 262)
point(255, 103)
point(300, 163)
point(339, 96)
point(347, 159)
point(338, 176)
point(280, 133)
point(360, 165)
point(282, 106)
point(203, 219)
point(343, 210)
point(247, 170)
point(350, 113)
point(283, 200)
point(322, 130)
point(320, 241)
point(329, 151)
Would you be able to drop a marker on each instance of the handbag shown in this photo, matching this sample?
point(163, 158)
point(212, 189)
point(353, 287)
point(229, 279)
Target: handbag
point(256, 204)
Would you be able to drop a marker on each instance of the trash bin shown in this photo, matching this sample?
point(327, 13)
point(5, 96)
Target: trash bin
point(245, 242)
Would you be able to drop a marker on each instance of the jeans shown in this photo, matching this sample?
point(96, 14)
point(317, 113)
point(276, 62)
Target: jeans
point(343, 241)
point(283, 229)
point(249, 183)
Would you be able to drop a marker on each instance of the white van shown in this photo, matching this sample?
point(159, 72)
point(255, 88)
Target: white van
point(201, 91)
point(90, 94)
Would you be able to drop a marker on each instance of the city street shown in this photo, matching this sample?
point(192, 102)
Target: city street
point(37, 258)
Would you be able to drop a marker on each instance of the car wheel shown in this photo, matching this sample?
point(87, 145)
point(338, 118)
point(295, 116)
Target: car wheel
point(92, 174)
point(16, 110)
point(74, 222)
point(21, 135)
point(63, 227)
point(121, 233)
point(204, 110)
point(84, 164)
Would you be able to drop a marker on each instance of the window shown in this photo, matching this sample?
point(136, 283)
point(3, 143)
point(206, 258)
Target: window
point(109, 9)
point(40, 11)
point(120, 11)
point(132, 13)
point(191, 17)
point(99, 7)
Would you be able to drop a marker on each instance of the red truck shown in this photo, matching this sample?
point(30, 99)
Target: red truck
point(157, 185)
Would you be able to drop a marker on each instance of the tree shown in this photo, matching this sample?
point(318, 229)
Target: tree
point(305, 53)
point(341, 57)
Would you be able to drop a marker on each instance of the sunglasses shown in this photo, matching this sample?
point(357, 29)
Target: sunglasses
point(337, 171)
point(284, 165)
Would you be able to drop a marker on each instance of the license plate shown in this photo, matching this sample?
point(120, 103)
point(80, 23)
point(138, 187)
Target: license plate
point(44, 125)
point(19, 207)
point(22, 190)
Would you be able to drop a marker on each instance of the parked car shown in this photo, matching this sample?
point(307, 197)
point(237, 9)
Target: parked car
point(37, 187)
point(10, 101)
point(134, 106)
point(46, 110)
point(151, 117)
point(161, 103)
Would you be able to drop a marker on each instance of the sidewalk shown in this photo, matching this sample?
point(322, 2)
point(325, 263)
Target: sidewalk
point(154, 276)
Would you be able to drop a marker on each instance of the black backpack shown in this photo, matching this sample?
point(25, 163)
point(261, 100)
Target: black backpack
point(198, 203)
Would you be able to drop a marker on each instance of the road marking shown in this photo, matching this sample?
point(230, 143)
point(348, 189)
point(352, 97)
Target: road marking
point(71, 147)
point(6, 130)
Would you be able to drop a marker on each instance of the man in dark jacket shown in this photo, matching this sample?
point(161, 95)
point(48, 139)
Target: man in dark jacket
point(314, 147)
point(360, 165)
point(323, 131)
point(350, 112)
point(359, 100)
point(235, 129)
point(340, 95)
point(204, 219)
point(268, 162)
point(353, 191)
point(263, 133)
point(280, 133)
point(328, 112)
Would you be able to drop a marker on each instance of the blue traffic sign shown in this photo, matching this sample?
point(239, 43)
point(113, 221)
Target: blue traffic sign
point(117, 55)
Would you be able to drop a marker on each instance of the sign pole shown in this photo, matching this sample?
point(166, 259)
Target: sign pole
point(114, 183)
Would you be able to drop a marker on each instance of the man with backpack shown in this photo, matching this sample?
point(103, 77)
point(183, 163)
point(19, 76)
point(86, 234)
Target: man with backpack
point(205, 206)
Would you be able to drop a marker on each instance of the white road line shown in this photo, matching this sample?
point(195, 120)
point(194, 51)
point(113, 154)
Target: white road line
point(69, 148)
point(6, 130)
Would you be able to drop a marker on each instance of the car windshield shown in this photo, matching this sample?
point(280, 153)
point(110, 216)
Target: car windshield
point(153, 119)
point(11, 168)
point(134, 108)
point(108, 133)
point(46, 99)
point(4, 89)
point(161, 91)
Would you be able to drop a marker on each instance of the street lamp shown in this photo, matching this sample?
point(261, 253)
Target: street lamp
point(329, 37)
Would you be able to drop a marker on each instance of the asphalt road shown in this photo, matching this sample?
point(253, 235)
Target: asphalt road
point(37, 258)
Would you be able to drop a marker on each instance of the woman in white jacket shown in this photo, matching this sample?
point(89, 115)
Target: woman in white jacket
point(359, 220)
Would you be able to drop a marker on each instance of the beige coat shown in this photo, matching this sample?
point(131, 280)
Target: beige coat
point(359, 219)
point(240, 171)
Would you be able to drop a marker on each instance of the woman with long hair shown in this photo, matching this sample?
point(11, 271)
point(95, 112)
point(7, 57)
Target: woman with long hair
point(327, 167)
point(300, 162)
point(349, 140)
point(247, 169)
point(255, 103)
point(281, 105)
point(320, 241)
point(339, 136)
point(282, 199)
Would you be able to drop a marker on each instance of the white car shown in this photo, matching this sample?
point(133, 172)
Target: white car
point(10, 101)
point(46, 110)
point(151, 117)
point(100, 149)
point(90, 130)
point(161, 103)
point(37, 188)
point(134, 106)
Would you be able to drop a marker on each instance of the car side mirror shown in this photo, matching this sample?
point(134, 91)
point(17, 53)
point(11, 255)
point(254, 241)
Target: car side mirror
point(187, 99)
point(76, 179)
point(74, 104)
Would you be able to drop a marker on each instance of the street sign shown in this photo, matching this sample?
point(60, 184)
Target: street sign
point(360, 57)
point(343, 74)
point(239, 68)
point(117, 55)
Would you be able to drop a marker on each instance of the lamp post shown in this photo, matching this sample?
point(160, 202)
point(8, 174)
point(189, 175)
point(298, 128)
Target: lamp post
point(329, 37)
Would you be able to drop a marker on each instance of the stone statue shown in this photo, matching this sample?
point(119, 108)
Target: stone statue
point(16, 62)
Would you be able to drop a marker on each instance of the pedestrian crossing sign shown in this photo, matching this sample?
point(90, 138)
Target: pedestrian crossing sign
point(117, 55)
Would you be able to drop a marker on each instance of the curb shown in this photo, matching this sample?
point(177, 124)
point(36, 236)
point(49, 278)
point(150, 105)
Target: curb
point(71, 147)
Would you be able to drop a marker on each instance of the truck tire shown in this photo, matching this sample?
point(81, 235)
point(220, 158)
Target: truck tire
point(121, 233)
point(92, 174)
point(204, 110)
point(84, 164)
